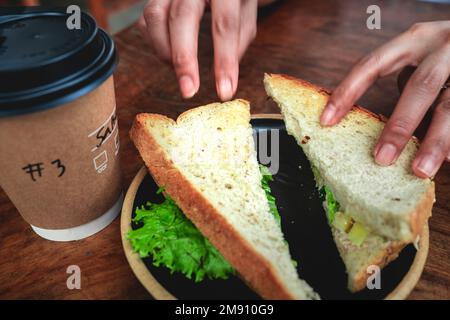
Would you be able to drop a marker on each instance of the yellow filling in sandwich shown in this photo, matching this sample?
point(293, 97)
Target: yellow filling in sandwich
point(342, 221)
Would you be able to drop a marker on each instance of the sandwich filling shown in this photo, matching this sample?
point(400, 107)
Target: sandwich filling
point(166, 235)
point(338, 219)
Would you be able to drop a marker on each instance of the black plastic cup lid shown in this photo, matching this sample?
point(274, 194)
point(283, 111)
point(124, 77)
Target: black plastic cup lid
point(44, 64)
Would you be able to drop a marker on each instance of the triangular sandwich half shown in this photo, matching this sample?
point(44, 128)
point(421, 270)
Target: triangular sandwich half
point(373, 211)
point(206, 162)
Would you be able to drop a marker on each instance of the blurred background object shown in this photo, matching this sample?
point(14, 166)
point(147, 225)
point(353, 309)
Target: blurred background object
point(111, 15)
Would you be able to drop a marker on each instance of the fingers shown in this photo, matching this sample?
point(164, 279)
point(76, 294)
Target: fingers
point(226, 34)
point(154, 27)
point(184, 21)
point(172, 27)
point(404, 76)
point(419, 94)
point(390, 57)
point(249, 15)
point(435, 147)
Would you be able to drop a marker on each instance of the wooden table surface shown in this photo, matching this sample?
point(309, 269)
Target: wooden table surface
point(315, 40)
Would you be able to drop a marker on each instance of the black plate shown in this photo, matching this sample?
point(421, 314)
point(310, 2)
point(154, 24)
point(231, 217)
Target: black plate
point(305, 227)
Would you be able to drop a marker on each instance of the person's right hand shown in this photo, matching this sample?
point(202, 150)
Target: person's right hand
point(427, 47)
point(172, 27)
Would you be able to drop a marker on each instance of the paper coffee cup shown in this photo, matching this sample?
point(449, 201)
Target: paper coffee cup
point(59, 137)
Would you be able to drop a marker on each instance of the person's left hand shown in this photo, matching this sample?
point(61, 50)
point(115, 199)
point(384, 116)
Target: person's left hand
point(427, 46)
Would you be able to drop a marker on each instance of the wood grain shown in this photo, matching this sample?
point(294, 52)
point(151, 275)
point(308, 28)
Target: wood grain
point(315, 40)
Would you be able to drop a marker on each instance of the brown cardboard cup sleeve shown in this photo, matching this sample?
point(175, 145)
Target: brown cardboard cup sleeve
point(59, 135)
point(61, 167)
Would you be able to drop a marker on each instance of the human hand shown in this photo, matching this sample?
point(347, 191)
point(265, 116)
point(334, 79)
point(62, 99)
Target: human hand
point(172, 27)
point(427, 46)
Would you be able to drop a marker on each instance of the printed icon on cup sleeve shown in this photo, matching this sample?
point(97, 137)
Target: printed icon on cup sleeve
point(374, 279)
point(101, 162)
point(104, 132)
point(74, 280)
point(99, 137)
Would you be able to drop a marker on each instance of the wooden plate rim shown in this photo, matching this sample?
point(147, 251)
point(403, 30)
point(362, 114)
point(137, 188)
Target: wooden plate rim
point(140, 270)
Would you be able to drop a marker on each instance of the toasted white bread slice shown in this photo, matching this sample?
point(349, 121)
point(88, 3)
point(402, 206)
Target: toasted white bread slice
point(206, 161)
point(389, 201)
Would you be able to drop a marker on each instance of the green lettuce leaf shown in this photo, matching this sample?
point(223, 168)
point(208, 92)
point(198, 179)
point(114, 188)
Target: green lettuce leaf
point(172, 240)
point(332, 205)
point(167, 236)
point(266, 178)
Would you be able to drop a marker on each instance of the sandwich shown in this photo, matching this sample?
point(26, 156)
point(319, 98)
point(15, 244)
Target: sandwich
point(373, 211)
point(206, 163)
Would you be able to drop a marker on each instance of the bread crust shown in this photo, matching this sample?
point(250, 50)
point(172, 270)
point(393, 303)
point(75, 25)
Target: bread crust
point(324, 92)
point(252, 266)
point(359, 281)
point(327, 93)
point(423, 210)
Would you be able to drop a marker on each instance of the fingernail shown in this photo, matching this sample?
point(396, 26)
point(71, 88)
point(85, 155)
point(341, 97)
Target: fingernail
point(187, 87)
point(427, 165)
point(225, 89)
point(386, 155)
point(327, 116)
